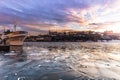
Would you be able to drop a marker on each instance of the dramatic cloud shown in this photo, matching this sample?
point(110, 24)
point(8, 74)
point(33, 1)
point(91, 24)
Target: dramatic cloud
point(37, 15)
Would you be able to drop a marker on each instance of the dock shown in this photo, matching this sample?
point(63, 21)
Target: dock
point(4, 48)
point(8, 48)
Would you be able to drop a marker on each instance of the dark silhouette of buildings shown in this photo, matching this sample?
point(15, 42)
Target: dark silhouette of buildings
point(73, 36)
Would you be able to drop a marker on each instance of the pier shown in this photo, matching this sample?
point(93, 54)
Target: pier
point(4, 48)
point(8, 48)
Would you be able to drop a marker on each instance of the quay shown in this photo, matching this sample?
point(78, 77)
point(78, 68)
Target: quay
point(8, 48)
point(4, 48)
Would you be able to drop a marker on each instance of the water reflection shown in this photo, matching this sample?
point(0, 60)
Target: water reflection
point(64, 61)
point(18, 57)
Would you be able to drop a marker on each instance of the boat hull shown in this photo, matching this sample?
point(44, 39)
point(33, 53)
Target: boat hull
point(16, 40)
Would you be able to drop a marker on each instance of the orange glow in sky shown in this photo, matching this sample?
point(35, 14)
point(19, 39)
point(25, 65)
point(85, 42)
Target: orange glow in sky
point(96, 15)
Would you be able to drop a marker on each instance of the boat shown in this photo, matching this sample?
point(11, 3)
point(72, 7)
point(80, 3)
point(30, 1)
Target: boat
point(13, 39)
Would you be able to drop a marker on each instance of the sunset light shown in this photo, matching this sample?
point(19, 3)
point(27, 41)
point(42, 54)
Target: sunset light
point(94, 15)
point(59, 39)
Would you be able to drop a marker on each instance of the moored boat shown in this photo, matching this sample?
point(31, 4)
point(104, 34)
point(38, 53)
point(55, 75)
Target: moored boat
point(13, 39)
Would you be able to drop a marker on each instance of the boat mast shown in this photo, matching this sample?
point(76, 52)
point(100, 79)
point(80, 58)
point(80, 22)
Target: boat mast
point(15, 24)
point(4, 29)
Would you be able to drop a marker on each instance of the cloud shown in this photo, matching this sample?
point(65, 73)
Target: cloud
point(114, 26)
point(46, 13)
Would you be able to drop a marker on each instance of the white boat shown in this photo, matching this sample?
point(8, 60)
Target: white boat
point(12, 38)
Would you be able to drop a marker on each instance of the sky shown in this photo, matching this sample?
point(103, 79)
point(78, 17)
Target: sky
point(44, 15)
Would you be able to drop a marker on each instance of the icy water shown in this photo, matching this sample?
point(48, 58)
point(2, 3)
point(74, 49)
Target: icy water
point(62, 61)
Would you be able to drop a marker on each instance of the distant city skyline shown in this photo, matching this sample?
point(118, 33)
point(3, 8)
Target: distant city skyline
point(43, 15)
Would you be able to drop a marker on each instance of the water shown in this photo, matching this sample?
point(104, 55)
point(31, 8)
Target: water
point(62, 61)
